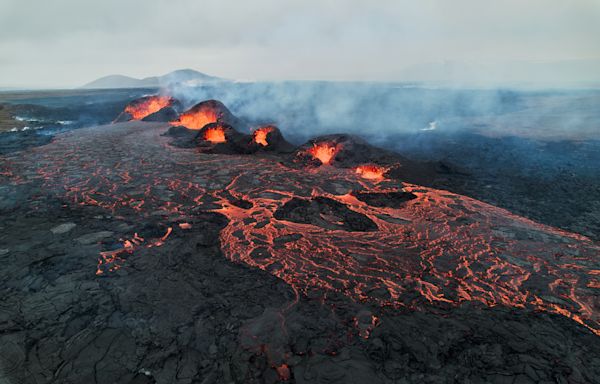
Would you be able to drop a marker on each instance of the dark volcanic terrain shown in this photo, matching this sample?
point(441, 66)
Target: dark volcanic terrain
point(126, 259)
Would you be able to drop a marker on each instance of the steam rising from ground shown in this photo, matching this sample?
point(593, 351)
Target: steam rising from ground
point(380, 111)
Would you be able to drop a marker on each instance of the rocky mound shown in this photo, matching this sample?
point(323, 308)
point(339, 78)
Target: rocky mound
point(207, 112)
point(325, 213)
point(348, 151)
point(225, 139)
point(384, 199)
point(164, 115)
point(344, 151)
point(181, 137)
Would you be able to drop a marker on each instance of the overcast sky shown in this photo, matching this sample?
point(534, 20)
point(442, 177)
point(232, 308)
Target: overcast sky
point(70, 42)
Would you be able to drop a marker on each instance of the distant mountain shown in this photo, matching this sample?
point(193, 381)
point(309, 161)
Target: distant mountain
point(186, 76)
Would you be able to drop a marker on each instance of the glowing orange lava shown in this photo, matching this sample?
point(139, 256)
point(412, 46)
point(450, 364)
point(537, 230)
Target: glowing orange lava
point(260, 135)
point(283, 371)
point(324, 152)
point(197, 119)
point(371, 172)
point(438, 248)
point(215, 135)
point(148, 106)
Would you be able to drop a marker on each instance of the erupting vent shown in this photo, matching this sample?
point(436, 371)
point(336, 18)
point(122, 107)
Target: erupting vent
point(260, 135)
point(324, 152)
point(215, 135)
point(197, 119)
point(371, 172)
point(147, 106)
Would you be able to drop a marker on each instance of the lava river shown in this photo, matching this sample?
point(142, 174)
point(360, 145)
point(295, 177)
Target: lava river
point(320, 229)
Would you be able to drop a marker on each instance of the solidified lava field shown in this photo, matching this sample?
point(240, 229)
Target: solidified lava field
point(130, 259)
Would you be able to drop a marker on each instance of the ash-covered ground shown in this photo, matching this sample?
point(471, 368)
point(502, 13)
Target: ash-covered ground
point(130, 258)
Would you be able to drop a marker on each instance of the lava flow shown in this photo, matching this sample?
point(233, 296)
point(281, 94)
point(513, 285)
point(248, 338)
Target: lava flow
point(324, 152)
point(260, 135)
point(215, 135)
point(324, 229)
point(147, 106)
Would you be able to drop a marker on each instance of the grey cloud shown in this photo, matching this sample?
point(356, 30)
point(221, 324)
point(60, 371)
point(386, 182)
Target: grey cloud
point(68, 42)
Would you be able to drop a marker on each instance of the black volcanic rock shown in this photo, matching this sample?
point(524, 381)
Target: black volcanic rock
point(326, 213)
point(349, 151)
point(264, 139)
point(384, 199)
point(352, 151)
point(181, 136)
point(181, 131)
point(164, 115)
point(17, 141)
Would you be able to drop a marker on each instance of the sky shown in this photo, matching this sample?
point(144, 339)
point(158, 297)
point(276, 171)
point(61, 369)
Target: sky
point(67, 43)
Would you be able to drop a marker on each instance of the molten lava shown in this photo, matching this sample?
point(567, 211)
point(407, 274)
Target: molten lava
point(215, 135)
point(373, 244)
point(324, 152)
point(260, 135)
point(371, 172)
point(148, 106)
point(197, 119)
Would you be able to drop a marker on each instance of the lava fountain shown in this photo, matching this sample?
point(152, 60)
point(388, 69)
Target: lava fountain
point(197, 119)
point(203, 113)
point(215, 135)
point(370, 172)
point(147, 106)
point(324, 152)
point(260, 135)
